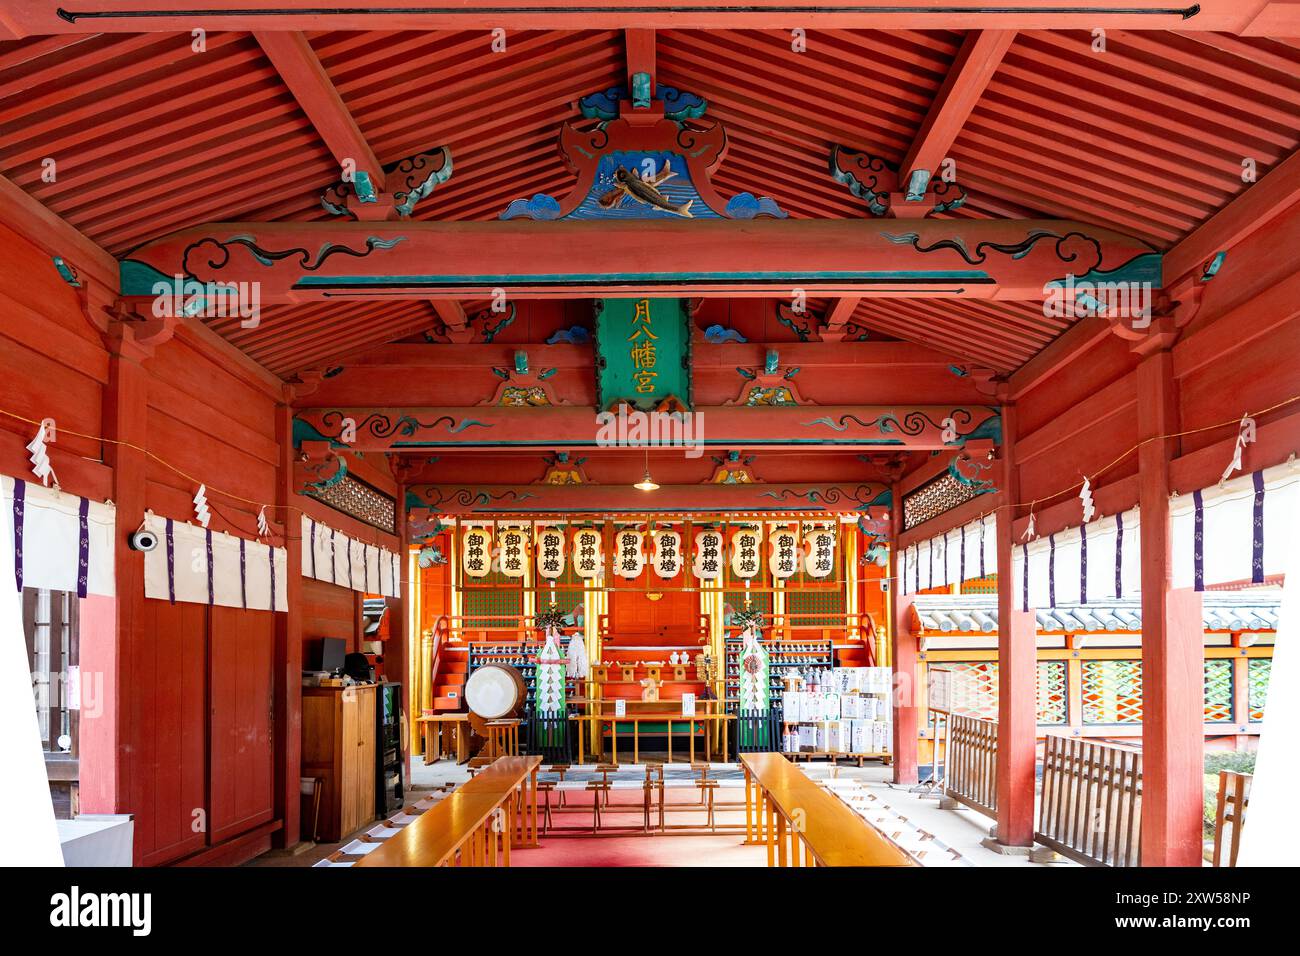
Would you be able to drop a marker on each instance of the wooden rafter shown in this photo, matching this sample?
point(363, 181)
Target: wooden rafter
point(1276, 193)
point(971, 71)
point(293, 58)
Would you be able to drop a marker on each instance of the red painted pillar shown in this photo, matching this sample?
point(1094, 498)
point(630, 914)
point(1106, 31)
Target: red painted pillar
point(903, 651)
point(1173, 645)
point(399, 650)
point(1017, 668)
point(108, 784)
point(288, 643)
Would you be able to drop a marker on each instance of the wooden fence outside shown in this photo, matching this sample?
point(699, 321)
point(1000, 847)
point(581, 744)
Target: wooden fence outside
point(1091, 806)
point(1234, 798)
point(971, 763)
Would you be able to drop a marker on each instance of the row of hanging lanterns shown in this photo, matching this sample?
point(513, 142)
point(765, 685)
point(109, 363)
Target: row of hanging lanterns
point(789, 552)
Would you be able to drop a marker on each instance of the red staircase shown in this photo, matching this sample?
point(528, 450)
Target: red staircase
point(449, 686)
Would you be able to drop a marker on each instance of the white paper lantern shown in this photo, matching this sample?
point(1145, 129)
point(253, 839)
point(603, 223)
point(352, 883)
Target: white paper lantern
point(629, 558)
point(550, 553)
point(708, 555)
point(587, 561)
point(476, 557)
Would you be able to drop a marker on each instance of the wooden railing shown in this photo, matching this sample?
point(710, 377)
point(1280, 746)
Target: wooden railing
point(970, 763)
point(1091, 808)
point(803, 825)
point(1234, 797)
point(476, 826)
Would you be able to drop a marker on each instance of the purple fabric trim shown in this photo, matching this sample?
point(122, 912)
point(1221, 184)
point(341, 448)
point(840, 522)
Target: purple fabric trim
point(313, 547)
point(243, 575)
point(1083, 564)
point(171, 563)
point(349, 549)
point(270, 553)
point(365, 564)
point(1024, 594)
point(211, 590)
point(1198, 541)
point(983, 573)
point(334, 557)
point(961, 567)
point(1051, 570)
point(916, 549)
point(1257, 544)
point(20, 506)
point(945, 559)
point(1119, 556)
point(83, 547)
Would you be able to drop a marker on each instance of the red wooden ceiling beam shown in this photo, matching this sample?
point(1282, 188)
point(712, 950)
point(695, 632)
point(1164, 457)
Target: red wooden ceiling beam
point(27, 217)
point(976, 62)
point(1002, 259)
point(297, 64)
point(640, 45)
point(1251, 211)
point(20, 18)
point(821, 427)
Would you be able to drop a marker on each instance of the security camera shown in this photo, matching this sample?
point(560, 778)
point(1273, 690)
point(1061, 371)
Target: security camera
point(143, 541)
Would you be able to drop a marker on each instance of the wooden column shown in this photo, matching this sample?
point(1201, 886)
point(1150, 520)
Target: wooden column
point(903, 651)
point(400, 648)
point(288, 643)
point(1173, 645)
point(1017, 668)
point(107, 779)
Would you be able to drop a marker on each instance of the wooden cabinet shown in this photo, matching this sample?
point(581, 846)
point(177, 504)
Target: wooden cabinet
point(338, 746)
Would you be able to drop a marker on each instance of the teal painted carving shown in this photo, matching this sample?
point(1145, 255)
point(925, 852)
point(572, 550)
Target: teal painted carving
point(971, 473)
point(521, 362)
point(717, 334)
point(641, 91)
point(66, 272)
point(771, 361)
point(364, 187)
point(408, 181)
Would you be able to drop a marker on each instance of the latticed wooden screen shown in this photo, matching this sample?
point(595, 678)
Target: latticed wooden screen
point(1257, 672)
point(568, 590)
point(985, 585)
point(1053, 693)
point(1218, 691)
point(498, 605)
point(1112, 692)
point(819, 603)
point(975, 689)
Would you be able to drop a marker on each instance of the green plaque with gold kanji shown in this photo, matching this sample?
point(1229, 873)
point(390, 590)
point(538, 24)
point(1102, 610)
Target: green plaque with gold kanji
point(643, 352)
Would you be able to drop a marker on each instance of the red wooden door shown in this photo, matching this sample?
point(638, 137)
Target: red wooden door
point(634, 618)
point(168, 768)
point(241, 777)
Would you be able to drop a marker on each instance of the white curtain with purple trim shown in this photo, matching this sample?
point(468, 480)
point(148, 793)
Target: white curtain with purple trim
point(954, 557)
point(59, 541)
point(1239, 531)
point(330, 555)
point(199, 566)
point(1099, 561)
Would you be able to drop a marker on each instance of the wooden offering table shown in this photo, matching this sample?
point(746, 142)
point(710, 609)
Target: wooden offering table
point(476, 826)
point(441, 732)
point(669, 718)
point(802, 824)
